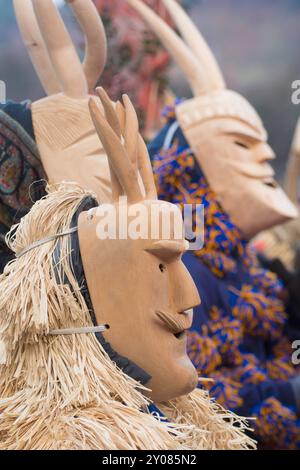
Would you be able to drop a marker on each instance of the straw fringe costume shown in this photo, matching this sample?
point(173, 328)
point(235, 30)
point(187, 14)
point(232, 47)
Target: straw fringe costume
point(65, 392)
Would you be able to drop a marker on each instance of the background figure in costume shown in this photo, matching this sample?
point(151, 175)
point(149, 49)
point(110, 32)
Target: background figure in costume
point(137, 62)
point(95, 389)
point(239, 336)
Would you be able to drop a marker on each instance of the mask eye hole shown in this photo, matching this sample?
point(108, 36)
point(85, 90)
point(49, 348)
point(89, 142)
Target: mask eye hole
point(162, 267)
point(271, 184)
point(241, 144)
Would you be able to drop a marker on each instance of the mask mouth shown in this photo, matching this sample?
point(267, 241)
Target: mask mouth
point(180, 335)
point(270, 182)
point(177, 324)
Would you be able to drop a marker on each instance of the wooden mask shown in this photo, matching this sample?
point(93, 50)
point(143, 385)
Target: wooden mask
point(138, 286)
point(282, 241)
point(225, 132)
point(67, 141)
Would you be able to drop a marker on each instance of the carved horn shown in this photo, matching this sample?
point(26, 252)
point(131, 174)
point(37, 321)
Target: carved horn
point(145, 169)
point(143, 159)
point(116, 152)
point(95, 39)
point(35, 46)
point(197, 43)
point(194, 72)
point(61, 50)
point(114, 123)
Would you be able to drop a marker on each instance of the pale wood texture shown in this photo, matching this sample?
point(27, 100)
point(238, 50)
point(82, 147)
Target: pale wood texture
point(153, 293)
point(69, 147)
point(95, 39)
point(197, 45)
point(224, 131)
point(35, 46)
point(61, 49)
point(68, 144)
point(95, 42)
point(282, 241)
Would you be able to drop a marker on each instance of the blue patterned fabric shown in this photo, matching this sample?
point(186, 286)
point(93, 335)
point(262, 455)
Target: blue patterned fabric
point(239, 332)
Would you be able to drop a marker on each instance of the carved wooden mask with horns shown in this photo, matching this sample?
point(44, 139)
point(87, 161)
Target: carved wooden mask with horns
point(67, 141)
point(139, 287)
point(224, 131)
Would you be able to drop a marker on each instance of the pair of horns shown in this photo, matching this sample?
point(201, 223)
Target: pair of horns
point(192, 53)
point(51, 49)
point(126, 150)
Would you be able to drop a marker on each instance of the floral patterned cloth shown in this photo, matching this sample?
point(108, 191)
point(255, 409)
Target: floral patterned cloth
point(137, 62)
point(21, 170)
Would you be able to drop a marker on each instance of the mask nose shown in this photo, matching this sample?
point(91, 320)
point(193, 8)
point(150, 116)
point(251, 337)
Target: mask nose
point(264, 153)
point(185, 294)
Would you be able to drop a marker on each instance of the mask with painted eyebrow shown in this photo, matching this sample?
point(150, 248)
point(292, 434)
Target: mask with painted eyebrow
point(248, 136)
point(142, 284)
point(213, 112)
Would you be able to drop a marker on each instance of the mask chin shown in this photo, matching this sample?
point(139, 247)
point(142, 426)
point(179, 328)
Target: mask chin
point(126, 365)
point(264, 205)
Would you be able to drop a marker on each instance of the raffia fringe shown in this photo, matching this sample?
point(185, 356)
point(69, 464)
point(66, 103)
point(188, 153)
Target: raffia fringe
point(64, 392)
